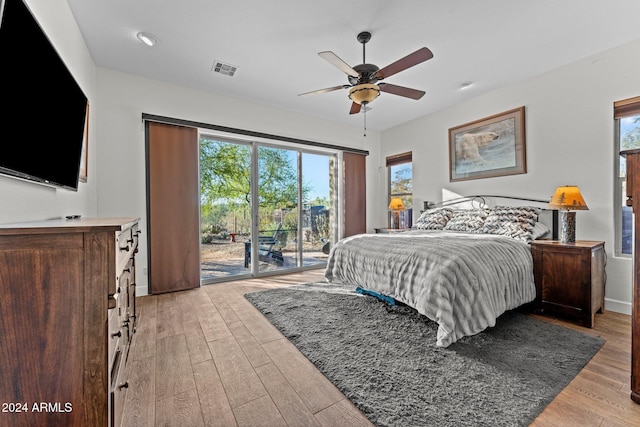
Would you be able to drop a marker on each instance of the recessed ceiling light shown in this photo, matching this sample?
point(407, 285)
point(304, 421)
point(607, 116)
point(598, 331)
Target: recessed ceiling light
point(464, 85)
point(147, 38)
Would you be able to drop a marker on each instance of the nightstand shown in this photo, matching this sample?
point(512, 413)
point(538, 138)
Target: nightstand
point(390, 230)
point(570, 278)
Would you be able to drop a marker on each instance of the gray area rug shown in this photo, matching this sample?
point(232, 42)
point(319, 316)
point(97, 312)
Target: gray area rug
point(384, 359)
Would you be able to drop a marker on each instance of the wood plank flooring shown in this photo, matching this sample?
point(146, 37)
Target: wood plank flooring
point(207, 357)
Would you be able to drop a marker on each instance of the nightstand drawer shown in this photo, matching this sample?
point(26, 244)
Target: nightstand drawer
point(570, 278)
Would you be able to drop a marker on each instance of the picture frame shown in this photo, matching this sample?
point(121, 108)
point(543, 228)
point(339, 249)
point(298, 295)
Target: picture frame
point(490, 147)
point(84, 158)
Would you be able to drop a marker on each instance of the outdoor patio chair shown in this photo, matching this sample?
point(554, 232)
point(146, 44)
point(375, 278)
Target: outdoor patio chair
point(266, 249)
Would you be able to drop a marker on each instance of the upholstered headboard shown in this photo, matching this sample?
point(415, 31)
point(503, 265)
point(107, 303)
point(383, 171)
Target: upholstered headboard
point(548, 217)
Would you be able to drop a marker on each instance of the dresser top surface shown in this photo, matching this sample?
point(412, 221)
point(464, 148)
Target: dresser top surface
point(78, 225)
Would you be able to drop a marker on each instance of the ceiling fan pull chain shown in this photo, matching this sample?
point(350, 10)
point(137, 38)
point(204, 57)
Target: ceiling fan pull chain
point(365, 122)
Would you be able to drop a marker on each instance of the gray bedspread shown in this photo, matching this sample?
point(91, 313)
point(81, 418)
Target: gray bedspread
point(461, 281)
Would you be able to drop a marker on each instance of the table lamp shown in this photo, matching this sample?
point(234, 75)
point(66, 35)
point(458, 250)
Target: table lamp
point(396, 206)
point(567, 199)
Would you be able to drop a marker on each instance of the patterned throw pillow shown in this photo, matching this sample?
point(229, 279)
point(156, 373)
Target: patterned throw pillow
point(516, 222)
point(468, 220)
point(433, 219)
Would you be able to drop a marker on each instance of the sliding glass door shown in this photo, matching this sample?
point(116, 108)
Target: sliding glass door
point(319, 207)
point(278, 194)
point(225, 208)
point(289, 192)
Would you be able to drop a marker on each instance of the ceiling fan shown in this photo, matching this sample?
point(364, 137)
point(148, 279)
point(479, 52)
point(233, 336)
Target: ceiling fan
point(363, 79)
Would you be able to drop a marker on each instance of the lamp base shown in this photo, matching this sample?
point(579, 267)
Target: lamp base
point(396, 220)
point(567, 226)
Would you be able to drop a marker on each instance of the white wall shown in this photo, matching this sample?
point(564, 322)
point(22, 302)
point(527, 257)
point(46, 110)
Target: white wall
point(569, 140)
point(116, 171)
point(25, 201)
point(122, 98)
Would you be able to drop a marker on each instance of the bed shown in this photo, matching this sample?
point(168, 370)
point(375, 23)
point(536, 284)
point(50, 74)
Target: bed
point(462, 268)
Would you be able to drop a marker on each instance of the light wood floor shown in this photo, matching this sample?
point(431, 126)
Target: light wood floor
point(207, 357)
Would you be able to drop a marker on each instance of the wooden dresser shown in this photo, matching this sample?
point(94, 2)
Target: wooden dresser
point(633, 200)
point(67, 317)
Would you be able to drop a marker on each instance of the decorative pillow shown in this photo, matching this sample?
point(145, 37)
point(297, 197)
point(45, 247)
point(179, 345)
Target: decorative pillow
point(433, 219)
point(468, 220)
point(539, 230)
point(516, 222)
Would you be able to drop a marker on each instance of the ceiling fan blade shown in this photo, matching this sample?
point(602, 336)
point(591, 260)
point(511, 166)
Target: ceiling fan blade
point(329, 89)
point(355, 108)
point(408, 61)
point(401, 91)
point(333, 59)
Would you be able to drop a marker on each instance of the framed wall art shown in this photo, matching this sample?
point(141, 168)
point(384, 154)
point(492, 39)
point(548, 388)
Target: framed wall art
point(489, 147)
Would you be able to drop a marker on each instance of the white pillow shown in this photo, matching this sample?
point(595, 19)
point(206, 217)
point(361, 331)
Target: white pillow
point(539, 230)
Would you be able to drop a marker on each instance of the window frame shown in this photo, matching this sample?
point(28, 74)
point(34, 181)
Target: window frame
point(621, 109)
point(395, 160)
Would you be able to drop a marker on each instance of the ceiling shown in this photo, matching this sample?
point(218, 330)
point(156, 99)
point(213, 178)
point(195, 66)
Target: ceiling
point(275, 44)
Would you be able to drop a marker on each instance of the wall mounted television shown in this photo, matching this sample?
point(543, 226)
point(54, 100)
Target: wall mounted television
point(44, 108)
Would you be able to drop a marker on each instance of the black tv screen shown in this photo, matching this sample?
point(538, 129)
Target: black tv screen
point(44, 109)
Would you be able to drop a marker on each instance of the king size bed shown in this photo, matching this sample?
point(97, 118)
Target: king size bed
point(462, 268)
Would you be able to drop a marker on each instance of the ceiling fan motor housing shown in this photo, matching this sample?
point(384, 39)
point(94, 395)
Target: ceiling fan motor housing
point(367, 74)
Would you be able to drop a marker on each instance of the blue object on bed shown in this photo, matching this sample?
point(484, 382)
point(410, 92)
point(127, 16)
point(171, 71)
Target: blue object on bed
point(384, 298)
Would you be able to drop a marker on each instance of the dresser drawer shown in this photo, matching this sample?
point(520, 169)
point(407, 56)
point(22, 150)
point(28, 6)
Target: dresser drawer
point(118, 390)
point(112, 334)
point(126, 244)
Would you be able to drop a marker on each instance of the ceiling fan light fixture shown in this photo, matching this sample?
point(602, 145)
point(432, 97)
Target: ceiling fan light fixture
point(364, 93)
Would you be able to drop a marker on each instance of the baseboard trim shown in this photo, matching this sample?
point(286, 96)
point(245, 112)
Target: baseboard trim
point(142, 291)
point(617, 306)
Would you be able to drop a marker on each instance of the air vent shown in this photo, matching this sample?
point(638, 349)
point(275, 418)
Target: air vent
point(222, 68)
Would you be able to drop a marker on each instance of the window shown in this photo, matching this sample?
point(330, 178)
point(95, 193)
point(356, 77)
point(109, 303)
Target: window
point(627, 126)
point(400, 175)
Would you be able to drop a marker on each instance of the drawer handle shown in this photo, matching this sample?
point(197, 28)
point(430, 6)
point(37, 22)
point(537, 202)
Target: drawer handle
point(111, 301)
point(124, 248)
point(125, 385)
point(128, 270)
point(129, 240)
point(116, 335)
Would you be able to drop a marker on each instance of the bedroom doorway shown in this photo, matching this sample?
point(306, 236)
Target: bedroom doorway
point(282, 197)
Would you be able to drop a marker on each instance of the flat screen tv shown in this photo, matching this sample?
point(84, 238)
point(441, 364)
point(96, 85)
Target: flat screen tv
point(43, 108)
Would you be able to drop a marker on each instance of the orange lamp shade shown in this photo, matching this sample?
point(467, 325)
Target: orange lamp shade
point(396, 204)
point(568, 198)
